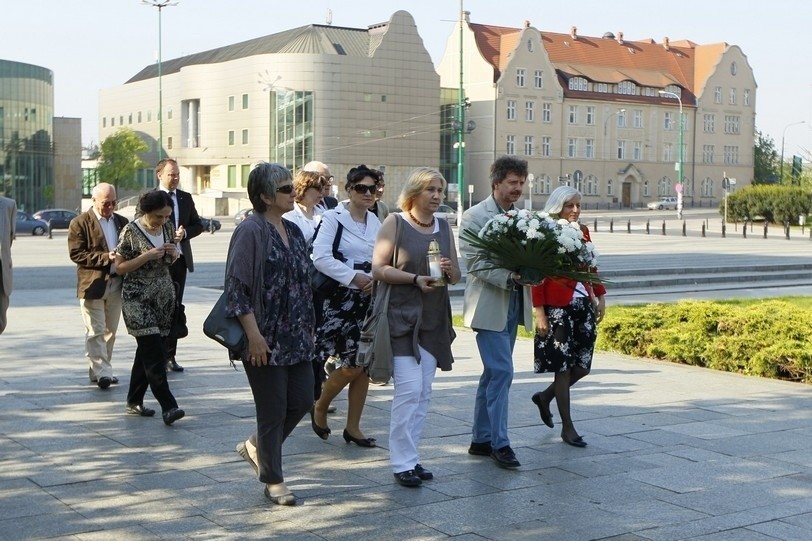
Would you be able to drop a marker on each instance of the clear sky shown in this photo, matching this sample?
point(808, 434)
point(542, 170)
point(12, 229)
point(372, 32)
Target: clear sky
point(94, 44)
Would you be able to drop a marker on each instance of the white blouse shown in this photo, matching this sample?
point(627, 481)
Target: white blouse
point(357, 242)
point(307, 225)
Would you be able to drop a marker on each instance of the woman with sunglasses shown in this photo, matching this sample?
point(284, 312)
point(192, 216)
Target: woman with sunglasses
point(268, 290)
point(344, 311)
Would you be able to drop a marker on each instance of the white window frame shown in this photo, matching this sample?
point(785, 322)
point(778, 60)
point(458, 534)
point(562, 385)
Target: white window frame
point(529, 112)
point(589, 148)
point(521, 74)
point(511, 109)
point(510, 144)
point(638, 118)
point(546, 146)
point(547, 112)
point(528, 145)
point(572, 147)
point(538, 79)
point(572, 117)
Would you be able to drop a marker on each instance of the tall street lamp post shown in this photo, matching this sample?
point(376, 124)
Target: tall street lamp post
point(781, 174)
point(679, 186)
point(606, 138)
point(460, 127)
point(160, 4)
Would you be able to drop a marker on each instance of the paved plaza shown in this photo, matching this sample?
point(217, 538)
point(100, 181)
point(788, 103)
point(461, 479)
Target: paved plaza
point(675, 452)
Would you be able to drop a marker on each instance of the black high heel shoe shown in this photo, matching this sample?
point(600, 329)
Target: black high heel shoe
point(576, 442)
point(323, 433)
point(360, 442)
point(544, 410)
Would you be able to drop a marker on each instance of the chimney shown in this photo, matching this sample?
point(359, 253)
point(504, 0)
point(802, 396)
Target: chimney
point(666, 43)
point(574, 32)
point(620, 37)
point(466, 16)
point(526, 23)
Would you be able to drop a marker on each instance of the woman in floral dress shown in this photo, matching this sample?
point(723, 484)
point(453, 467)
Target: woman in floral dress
point(144, 253)
point(567, 313)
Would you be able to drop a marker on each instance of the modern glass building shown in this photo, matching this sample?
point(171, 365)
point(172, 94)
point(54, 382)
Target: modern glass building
point(26, 134)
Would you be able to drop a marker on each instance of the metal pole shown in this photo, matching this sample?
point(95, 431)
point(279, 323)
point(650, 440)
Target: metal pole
point(679, 163)
point(461, 128)
point(783, 135)
point(160, 90)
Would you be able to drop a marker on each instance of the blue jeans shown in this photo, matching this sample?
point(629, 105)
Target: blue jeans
point(491, 406)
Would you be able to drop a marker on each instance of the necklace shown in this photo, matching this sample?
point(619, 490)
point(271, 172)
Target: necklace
point(421, 224)
point(362, 226)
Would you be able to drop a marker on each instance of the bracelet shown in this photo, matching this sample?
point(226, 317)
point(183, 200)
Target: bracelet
point(414, 282)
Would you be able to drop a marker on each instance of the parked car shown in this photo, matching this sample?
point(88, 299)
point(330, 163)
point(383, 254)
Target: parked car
point(444, 211)
point(242, 215)
point(669, 203)
point(56, 218)
point(28, 225)
point(210, 224)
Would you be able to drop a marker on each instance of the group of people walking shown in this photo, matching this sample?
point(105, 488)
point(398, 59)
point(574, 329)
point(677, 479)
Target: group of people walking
point(293, 332)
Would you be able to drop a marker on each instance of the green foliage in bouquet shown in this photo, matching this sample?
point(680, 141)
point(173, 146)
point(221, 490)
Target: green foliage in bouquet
point(535, 246)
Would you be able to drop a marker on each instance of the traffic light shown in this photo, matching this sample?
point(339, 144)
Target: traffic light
point(725, 183)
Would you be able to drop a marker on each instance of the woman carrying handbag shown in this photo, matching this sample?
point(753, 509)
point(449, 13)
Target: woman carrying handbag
point(419, 314)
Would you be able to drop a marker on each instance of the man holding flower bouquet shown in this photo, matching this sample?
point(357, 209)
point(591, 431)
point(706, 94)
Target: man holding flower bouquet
point(496, 301)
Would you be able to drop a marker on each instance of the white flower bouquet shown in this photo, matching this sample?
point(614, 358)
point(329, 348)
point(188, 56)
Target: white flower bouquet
point(536, 246)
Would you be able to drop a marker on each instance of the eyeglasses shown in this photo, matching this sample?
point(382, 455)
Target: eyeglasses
point(365, 188)
point(108, 204)
point(286, 189)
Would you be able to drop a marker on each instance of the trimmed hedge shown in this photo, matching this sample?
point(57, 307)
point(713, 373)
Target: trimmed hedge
point(770, 339)
point(777, 204)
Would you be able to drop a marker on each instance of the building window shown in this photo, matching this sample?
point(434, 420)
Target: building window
point(511, 145)
point(637, 151)
point(732, 100)
point(520, 77)
point(121, 120)
point(646, 190)
point(139, 117)
point(538, 79)
point(245, 101)
point(731, 155)
point(627, 87)
point(663, 186)
point(528, 111)
point(130, 119)
point(112, 121)
point(573, 116)
point(169, 113)
point(546, 112)
point(746, 97)
point(572, 147)
point(245, 136)
point(589, 150)
point(190, 122)
point(638, 118)
point(104, 122)
point(707, 153)
point(707, 187)
point(149, 116)
point(621, 119)
point(621, 149)
point(648, 91)
point(577, 83)
point(732, 124)
point(231, 138)
point(668, 121)
point(231, 103)
point(591, 185)
point(709, 123)
point(244, 173)
point(590, 115)
point(169, 143)
point(609, 189)
point(717, 94)
point(511, 109)
point(232, 176)
point(602, 87)
point(668, 152)
point(546, 147)
point(545, 184)
point(528, 145)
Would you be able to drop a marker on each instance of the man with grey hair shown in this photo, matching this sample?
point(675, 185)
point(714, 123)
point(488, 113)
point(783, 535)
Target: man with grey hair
point(92, 240)
point(327, 200)
point(8, 223)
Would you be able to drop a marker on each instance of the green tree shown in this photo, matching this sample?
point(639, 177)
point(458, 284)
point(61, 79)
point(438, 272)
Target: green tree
point(120, 158)
point(765, 159)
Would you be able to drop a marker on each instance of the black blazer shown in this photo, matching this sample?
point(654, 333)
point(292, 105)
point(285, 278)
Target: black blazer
point(190, 220)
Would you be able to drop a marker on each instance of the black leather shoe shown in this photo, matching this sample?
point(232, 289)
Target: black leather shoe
point(505, 457)
point(173, 366)
point(423, 473)
point(544, 410)
point(360, 442)
point(408, 478)
point(138, 409)
point(323, 433)
point(480, 449)
point(577, 442)
point(104, 382)
point(173, 415)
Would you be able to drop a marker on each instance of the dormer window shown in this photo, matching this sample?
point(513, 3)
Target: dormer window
point(577, 83)
point(627, 87)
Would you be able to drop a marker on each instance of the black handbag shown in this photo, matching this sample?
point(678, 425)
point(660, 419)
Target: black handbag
point(320, 283)
point(226, 331)
point(179, 328)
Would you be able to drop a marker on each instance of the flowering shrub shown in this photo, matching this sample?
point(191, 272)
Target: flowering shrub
point(536, 246)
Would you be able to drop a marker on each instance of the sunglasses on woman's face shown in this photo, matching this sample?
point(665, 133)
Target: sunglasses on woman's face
point(365, 188)
point(286, 189)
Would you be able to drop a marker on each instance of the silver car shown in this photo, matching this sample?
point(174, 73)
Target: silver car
point(28, 225)
point(446, 212)
point(663, 203)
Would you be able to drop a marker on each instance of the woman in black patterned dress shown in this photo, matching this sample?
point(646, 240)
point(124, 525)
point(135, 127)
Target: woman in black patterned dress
point(143, 255)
